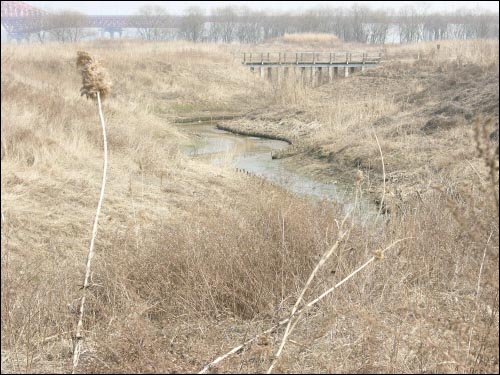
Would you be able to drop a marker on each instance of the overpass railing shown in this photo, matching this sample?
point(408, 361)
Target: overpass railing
point(310, 57)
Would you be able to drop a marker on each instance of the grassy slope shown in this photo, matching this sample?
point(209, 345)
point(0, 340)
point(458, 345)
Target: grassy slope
point(191, 259)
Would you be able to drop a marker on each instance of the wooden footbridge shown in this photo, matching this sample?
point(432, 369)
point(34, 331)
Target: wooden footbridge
point(320, 64)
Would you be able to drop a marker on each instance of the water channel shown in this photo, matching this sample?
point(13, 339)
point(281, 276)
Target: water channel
point(253, 154)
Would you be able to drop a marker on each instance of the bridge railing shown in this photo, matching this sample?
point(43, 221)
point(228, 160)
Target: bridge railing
point(309, 57)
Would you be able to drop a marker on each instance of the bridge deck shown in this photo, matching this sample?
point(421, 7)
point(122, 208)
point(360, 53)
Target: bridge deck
point(310, 59)
point(353, 64)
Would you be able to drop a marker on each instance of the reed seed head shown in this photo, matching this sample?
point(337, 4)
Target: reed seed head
point(95, 78)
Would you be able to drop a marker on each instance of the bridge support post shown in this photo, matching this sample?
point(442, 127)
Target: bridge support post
point(363, 68)
point(269, 73)
point(302, 75)
point(261, 72)
point(112, 31)
point(19, 37)
point(313, 76)
point(320, 76)
point(330, 74)
point(346, 71)
point(335, 71)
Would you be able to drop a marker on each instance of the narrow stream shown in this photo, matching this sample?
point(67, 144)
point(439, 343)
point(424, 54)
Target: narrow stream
point(253, 154)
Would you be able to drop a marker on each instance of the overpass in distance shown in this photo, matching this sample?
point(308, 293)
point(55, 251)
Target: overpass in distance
point(20, 19)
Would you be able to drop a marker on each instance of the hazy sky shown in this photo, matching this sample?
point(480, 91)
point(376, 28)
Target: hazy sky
point(177, 7)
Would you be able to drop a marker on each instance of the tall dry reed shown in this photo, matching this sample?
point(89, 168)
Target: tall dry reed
point(96, 84)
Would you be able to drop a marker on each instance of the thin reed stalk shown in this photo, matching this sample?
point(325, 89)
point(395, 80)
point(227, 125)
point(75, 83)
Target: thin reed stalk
point(95, 85)
point(79, 327)
point(289, 329)
point(478, 290)
point(383, 176)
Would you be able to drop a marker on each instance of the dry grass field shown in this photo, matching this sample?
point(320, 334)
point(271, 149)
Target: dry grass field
point(193, 259)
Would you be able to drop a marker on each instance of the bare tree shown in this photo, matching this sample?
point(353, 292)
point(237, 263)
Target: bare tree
point(358, 21)
point(193, 24)
point(249, 28)
point(482, 25)
point(410, 24)
point(156, 31)
point(435, 27)
point(378, 27)
point(67, 26)
point(40, 23)
point(229, 21)
point(41, 35)
point(224, 25)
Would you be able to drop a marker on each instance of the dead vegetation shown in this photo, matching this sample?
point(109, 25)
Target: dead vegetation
point(192, 260)
point(422, 103)
point(312, 40)
point(95, 78)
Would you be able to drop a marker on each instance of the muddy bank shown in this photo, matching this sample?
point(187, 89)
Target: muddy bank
point(253, 133)
point(205, 118)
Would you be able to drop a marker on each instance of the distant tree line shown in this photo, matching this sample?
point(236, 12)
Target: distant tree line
point(355, 24)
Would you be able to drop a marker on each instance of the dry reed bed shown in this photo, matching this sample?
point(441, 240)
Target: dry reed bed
point(51, 164)
point(192, 260)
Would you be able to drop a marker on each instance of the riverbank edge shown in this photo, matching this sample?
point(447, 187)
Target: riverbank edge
point(297, 159)
point(206, 119)
point(253, 134)
point(324, 169)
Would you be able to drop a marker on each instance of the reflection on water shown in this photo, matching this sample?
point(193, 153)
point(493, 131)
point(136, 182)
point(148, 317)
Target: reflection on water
point(254, 155)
